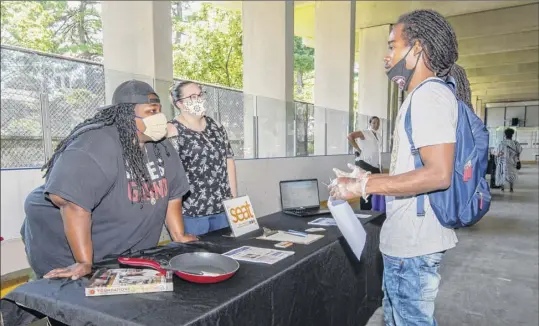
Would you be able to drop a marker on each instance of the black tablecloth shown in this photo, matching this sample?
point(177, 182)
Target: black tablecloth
point(321, 284)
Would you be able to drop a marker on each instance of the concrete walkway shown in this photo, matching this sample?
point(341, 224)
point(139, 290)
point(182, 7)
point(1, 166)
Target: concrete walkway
point(491, 277)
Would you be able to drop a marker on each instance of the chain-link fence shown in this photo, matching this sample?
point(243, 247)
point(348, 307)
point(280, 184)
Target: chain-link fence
point(226, 105)
point(43, 97)
point(304, 129)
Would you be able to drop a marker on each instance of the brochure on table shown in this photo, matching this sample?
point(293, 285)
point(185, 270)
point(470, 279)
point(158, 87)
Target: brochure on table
point(287, 237)
point(241, 215)
point(258, 255)
point(349, 225)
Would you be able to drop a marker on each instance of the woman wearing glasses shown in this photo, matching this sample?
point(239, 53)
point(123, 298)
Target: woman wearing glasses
point(207, 158)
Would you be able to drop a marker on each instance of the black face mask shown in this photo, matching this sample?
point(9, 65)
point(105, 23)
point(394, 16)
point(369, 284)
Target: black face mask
point(400, 74)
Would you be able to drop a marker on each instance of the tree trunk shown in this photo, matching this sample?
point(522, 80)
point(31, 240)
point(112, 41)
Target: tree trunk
point(179, 14)
point(229, 83)
point(81, 32)
point(299, 81)
point(306, 131)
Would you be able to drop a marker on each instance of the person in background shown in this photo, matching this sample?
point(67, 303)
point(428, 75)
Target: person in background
point(367, 145)
point(207, 156)
point(110, 186)
point(422, 48)
point(508, 158)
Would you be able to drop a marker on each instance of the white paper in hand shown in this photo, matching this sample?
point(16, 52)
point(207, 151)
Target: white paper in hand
point(349, 225)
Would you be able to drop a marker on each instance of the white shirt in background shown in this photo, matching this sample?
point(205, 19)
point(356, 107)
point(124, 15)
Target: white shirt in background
point(370, 148)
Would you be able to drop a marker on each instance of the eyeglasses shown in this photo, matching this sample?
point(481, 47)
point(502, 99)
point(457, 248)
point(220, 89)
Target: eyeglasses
point(195, 97)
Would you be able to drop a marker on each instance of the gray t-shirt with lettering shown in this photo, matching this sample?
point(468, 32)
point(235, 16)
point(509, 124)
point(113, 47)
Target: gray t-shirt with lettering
point(91, 173)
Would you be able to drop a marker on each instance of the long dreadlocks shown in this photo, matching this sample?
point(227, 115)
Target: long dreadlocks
point(464, 93)
point(440, 47)
point(121, 116)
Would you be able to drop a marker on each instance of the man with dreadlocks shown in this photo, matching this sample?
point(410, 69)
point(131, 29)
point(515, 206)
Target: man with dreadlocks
point(108, 188)
point(422, 48)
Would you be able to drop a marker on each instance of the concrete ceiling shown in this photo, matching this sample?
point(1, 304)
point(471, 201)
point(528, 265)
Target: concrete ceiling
point(498, 40)
point(500, 51)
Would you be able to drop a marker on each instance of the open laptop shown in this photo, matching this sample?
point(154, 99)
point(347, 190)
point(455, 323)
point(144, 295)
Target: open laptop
point(300, 198)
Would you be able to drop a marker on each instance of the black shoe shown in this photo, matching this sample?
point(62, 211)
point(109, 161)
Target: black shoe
point(502, 189)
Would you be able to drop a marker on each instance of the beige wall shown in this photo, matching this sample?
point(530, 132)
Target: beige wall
point(373, 82)
point(334, 61)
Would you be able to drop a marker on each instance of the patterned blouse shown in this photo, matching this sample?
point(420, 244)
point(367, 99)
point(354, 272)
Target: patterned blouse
point(204, 156)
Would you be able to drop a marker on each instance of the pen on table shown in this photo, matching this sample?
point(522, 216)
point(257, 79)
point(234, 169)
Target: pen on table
point(300, 234)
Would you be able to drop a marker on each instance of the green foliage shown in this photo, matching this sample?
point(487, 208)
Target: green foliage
point(27, 24)
point(303, 56)
point(211, 47)
point(207, 44)
point(303, 71)
point(208, 48)
point(53, 27)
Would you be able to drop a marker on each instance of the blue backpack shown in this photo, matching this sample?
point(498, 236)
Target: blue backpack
point(468, 198)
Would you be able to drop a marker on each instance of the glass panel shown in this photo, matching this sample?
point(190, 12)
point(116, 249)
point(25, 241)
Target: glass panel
point(337, 123)
point(272, 134)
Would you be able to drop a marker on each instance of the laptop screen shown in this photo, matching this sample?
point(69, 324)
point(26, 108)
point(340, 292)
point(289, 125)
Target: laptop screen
point(301, 193)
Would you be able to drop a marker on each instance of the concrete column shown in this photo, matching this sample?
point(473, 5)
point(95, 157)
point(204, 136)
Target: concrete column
point(473, 101)
point(480, 109)
point(137, 44)
point(374, 87)
point(334, 62)
point(268, 77)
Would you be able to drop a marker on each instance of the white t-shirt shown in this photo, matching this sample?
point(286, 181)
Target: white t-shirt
point(434, 121)
point(370, 148)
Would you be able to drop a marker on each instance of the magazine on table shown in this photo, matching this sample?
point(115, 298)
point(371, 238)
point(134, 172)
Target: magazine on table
point(258, 255)
point(127, 281)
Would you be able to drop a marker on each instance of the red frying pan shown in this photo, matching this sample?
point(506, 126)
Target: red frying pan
point(196, 267)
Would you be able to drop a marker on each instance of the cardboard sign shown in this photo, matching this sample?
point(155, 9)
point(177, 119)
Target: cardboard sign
point(241, 215)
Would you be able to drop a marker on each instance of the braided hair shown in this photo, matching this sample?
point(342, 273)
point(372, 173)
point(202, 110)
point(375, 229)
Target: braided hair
point(436, 37)
point(464, 93)
point(121, 116)
point(440, 47)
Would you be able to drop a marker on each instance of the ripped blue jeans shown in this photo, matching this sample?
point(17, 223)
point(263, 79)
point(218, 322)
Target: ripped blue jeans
point(410, 287)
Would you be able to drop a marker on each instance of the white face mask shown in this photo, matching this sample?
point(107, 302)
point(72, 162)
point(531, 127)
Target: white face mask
point(156, 126)
point(195, 107)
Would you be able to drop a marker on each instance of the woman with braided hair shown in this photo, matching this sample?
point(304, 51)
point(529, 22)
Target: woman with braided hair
point(422, 50)
point(110, 186)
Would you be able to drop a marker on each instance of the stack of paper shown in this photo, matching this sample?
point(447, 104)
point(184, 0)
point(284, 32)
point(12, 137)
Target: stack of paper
point(258, 255)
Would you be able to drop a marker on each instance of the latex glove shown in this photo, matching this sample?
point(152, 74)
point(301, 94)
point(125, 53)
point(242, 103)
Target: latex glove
point(356, 172)
point(347, 188)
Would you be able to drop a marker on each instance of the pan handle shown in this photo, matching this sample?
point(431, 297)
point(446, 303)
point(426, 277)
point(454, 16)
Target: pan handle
point(142, 263)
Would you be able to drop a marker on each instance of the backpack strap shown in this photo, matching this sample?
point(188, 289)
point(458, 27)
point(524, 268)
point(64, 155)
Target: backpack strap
point(418, 163)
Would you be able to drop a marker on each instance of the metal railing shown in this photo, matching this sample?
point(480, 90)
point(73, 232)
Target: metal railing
point(44, 96)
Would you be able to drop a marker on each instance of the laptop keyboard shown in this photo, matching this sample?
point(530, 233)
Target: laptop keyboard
point(302, 212)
